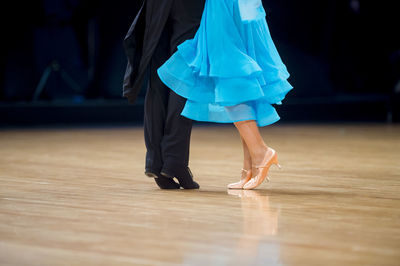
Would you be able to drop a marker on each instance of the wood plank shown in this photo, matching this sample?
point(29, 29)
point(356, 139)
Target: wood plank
point(79, 197)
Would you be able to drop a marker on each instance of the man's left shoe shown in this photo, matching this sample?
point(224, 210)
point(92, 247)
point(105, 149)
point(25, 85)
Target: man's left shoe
point(162, 181)
point(184, 176)
point(151, 174)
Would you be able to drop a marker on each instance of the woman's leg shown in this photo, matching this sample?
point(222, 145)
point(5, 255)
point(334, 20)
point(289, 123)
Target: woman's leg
point(261, 155)
point(246, 155)
point(246, 170)
point(251, 135)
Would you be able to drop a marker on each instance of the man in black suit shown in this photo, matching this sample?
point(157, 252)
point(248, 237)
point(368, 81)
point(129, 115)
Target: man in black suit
point(159, 27)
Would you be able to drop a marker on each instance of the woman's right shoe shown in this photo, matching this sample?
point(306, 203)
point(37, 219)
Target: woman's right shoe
point(270, 158)
point(246, 176)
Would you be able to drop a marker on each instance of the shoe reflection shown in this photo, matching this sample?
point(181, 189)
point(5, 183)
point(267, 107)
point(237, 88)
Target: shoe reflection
point(260, 221)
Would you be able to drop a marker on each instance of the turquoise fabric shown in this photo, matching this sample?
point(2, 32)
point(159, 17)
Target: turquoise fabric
point(231, 70)
point(251, 10)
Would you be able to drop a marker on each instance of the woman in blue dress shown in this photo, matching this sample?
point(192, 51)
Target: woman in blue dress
point(231, 72)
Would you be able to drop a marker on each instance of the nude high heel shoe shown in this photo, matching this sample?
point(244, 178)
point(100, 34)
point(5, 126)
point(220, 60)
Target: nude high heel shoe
point(270, 158)
point(246, 176)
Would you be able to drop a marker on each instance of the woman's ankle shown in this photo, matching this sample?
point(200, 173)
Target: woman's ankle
point(247, 166)
point(259, 155)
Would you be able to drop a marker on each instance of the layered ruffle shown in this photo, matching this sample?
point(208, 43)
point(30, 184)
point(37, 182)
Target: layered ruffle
point(231, 70)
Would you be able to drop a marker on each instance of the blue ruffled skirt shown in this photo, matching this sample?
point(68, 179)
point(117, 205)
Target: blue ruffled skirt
point(230, 71)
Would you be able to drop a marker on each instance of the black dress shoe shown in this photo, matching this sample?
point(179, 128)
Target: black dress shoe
point(184, 176)
point(162, 181)
point(151, 174)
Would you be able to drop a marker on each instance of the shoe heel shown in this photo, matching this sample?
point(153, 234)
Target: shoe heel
point(275, 161)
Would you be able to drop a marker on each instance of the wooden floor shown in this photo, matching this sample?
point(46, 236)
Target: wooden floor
point(79, 197)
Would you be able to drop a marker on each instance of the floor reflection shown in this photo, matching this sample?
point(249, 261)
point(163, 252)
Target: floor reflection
point(260, 222)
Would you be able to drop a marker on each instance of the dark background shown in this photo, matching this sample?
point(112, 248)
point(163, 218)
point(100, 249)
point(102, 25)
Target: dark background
point(343, 55)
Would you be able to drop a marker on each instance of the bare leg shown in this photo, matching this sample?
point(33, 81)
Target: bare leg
point(246, 156)
point(251, 135)
point(246, 170)
point(262, 157)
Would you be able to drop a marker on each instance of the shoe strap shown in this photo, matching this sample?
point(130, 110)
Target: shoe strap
point(261, 166)
point(269, 163)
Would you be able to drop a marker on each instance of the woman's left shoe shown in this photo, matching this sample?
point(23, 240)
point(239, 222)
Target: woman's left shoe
point(270, 158)
point(246, 176)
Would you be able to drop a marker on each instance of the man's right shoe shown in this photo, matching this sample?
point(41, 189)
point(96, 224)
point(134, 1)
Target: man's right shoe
point(184, 176)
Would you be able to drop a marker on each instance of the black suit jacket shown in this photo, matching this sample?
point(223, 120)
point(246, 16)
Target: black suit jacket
point(145, 32)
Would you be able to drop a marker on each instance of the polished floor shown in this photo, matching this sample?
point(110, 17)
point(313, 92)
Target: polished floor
point(79, 197)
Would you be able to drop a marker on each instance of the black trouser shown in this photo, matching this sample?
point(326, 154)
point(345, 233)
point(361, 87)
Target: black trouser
point(167, 133)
